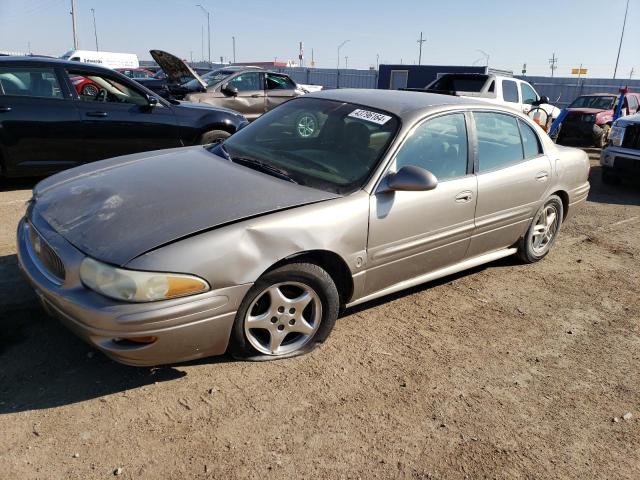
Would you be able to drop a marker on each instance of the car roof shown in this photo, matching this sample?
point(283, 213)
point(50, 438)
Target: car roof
point(399, 102)
point(52, 61)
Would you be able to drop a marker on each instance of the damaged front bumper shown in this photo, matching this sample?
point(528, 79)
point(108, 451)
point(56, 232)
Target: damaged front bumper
point(141, 334)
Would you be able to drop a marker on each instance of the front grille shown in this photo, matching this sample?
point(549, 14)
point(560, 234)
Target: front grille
point(48, 258)
point(631, 137)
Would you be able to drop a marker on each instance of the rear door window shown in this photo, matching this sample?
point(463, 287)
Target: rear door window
point(499, 142)
point(246, 82)
point(33, 82)
point(530, 141)
point(279, 82)
point(510, 91)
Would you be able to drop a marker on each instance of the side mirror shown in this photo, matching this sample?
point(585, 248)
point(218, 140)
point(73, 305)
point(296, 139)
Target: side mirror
point(229, 90)
point(153, 101)
point(543, 99)
point(412, 179)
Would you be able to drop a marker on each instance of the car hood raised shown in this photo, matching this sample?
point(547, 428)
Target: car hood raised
point(175, 69)
point(118, 209)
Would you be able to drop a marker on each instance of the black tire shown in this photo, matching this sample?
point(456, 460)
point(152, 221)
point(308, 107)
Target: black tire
point(609, 177)
point(526, 250)
point(310, 275)
point(212, 136)
point(603, 137)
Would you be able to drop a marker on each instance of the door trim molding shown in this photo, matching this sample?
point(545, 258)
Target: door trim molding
point(442, 272)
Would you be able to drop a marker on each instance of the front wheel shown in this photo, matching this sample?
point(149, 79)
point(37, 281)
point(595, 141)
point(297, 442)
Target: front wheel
point(287, 312)
point(603, 137)
point(542, 233)
point(213, 136)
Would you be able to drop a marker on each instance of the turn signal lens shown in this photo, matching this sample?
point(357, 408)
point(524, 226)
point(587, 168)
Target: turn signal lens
point(137, 286)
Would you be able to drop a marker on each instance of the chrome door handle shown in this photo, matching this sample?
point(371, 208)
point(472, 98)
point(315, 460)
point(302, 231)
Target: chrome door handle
point(542, 176)
point(5, 109)
point(464, 197)
point(97, 114)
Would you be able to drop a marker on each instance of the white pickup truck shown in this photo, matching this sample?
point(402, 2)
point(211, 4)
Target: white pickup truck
point(493, 88)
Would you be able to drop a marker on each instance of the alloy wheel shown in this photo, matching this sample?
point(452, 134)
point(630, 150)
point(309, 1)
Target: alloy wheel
point(283, 318)
point(544, 229)
point(306, 126)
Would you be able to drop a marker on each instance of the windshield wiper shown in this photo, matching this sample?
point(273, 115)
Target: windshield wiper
point(262, 166)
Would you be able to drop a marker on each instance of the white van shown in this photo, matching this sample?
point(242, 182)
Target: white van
point(106, 59)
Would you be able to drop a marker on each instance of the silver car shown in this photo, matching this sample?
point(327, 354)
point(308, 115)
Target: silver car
point(253, 245)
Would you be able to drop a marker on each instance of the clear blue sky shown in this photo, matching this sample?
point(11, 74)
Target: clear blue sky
point(511, 31)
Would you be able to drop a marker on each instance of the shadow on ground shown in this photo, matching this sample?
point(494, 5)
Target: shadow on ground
point(627, 192)
point(12, 184)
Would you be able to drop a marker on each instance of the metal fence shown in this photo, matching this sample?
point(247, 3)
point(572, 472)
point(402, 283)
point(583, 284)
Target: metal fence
point(332, 77)
point(563, 90)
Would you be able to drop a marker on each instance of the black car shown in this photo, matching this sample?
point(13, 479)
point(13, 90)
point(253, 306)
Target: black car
point(47, 124)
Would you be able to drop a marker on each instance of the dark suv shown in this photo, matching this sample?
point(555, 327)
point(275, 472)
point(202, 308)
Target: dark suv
point(46, 125)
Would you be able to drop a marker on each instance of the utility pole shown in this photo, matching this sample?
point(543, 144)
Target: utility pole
point(631, 73)
point(202, 37)
point(313, 62)
point(339, 47)
point(420, 41)
point(191, 55)
point(73, 23)
point(377, 60)
point(624, 23)
point(95, 31)
point(234, 48)
point(553, 63)
point(206, 12)
point(346, 62)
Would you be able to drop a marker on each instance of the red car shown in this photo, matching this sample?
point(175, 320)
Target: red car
point(85, 86)
point(590, 117)
point(136, 73)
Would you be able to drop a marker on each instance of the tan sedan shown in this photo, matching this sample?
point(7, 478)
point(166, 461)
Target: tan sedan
point(253, 245)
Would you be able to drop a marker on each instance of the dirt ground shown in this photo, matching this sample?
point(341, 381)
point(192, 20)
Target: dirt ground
point(506, 371)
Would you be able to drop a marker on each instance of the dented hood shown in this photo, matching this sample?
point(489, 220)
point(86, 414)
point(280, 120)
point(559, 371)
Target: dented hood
point(118, 209)
point(175, 69)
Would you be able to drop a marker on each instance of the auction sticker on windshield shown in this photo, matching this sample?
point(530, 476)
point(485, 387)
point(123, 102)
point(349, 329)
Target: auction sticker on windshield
point(369, 116)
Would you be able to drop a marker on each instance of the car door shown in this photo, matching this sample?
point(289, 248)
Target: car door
point(39, 123)
point(413, 233)
point(513, 179)
point(120, 119)
point(279, 89)
point(249, 99)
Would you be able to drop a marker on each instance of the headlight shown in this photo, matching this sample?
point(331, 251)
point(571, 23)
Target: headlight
point(135, 286)
point(616, 135)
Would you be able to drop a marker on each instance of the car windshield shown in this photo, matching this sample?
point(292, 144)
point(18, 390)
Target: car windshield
point(329, 145)
point(210, 78)
point(591, 101)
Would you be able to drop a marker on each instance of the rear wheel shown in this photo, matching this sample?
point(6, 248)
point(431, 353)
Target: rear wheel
point(287, 312)
point(306, 125)
point(213, 136)
point(542, 233)
point(90, 90)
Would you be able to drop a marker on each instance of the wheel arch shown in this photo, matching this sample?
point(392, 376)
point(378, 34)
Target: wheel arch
point(331, 262)
point(564, 196)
